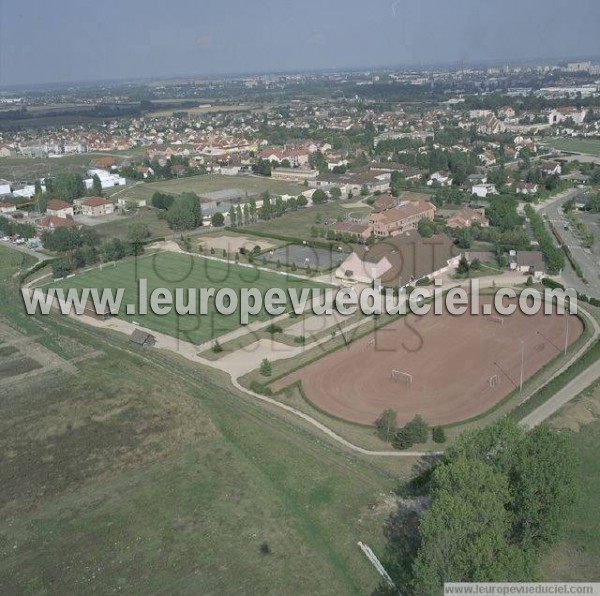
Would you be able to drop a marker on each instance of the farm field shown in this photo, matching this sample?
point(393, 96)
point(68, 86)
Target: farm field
point(591, 146)
point(408, 366)
point(209, 183)
point(142, 473)
point(172, 270)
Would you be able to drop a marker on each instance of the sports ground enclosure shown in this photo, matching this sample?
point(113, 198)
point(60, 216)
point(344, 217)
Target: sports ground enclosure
point(321, 259)
point(445, 368)
point(206, 185)
point(590, 146)
point(171, 271)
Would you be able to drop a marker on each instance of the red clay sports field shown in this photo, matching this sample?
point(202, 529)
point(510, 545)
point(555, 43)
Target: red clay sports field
point(445, 368)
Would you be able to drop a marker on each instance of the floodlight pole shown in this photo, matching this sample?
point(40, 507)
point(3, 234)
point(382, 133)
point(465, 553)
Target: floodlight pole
point(522, 363)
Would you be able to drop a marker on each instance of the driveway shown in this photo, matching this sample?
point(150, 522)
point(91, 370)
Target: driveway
point(28, 251)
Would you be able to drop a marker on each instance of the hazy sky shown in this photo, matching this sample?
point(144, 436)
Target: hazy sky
point(44, 41)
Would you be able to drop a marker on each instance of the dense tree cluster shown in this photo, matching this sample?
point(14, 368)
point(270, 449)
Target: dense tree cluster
point(499, 495)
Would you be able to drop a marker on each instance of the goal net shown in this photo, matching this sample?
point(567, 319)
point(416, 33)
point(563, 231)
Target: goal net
point(370, 344)
point(493, 380)
point(399, 376)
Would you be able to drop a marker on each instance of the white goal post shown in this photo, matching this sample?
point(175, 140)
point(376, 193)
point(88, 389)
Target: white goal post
point(370, 344)
point(401, 377)
point(494, 319)
point(493, 380)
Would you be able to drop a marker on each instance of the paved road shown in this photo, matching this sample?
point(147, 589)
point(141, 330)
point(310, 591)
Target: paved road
point(562, 397)
point(589, 260)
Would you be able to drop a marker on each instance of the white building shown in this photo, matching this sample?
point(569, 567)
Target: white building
point(483, 190)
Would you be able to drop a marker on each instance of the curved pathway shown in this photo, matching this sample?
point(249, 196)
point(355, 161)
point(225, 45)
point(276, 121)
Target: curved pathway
point(190, 352)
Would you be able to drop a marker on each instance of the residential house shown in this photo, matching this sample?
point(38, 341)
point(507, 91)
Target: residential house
point(487, 158)
point(527, 188)
point(530, 262)
point(490, 125)
point(561, 114)
point(442, 178)
point(506, 112)
point(5, 187)
point(550, 168)
point(466, 217)
point(51, 222)
point(145, 171)
point(97, 206)
point(483, 190)
point(59, 208)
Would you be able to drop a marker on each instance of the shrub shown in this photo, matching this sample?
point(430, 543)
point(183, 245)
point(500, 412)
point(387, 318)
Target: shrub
point(61, 268)
point(550, 283)
point(402, 439)
point(386, 425)
point(217, 348)
point(272, 329)
point(418, 430)
point(300, 339)
point(265, 549)
point(439, 434)
point(257, 387)
point(265, 368)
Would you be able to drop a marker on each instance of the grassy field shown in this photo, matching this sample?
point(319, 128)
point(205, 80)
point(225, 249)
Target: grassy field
point(171, 270)
point(577, 556)
point(143, 473)
point(253, 185)
point(298, 224)
point(591, 146)
point(118, 228)
point(26, 169)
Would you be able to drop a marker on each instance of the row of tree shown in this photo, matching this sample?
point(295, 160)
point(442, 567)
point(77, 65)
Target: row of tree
point(554, 257)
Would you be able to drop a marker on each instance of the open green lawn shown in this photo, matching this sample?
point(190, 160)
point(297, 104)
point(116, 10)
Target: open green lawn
point(146, 474)
point(297, 224)
point(118, 227)
point(171, 271)
point(591, 146)
point(253, 185)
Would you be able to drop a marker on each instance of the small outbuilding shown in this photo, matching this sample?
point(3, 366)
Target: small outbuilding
point(142, 338)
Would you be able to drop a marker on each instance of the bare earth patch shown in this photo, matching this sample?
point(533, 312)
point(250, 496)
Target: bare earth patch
point(232, 244)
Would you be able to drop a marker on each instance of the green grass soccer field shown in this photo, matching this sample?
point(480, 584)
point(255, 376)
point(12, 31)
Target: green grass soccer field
point(171, 271)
